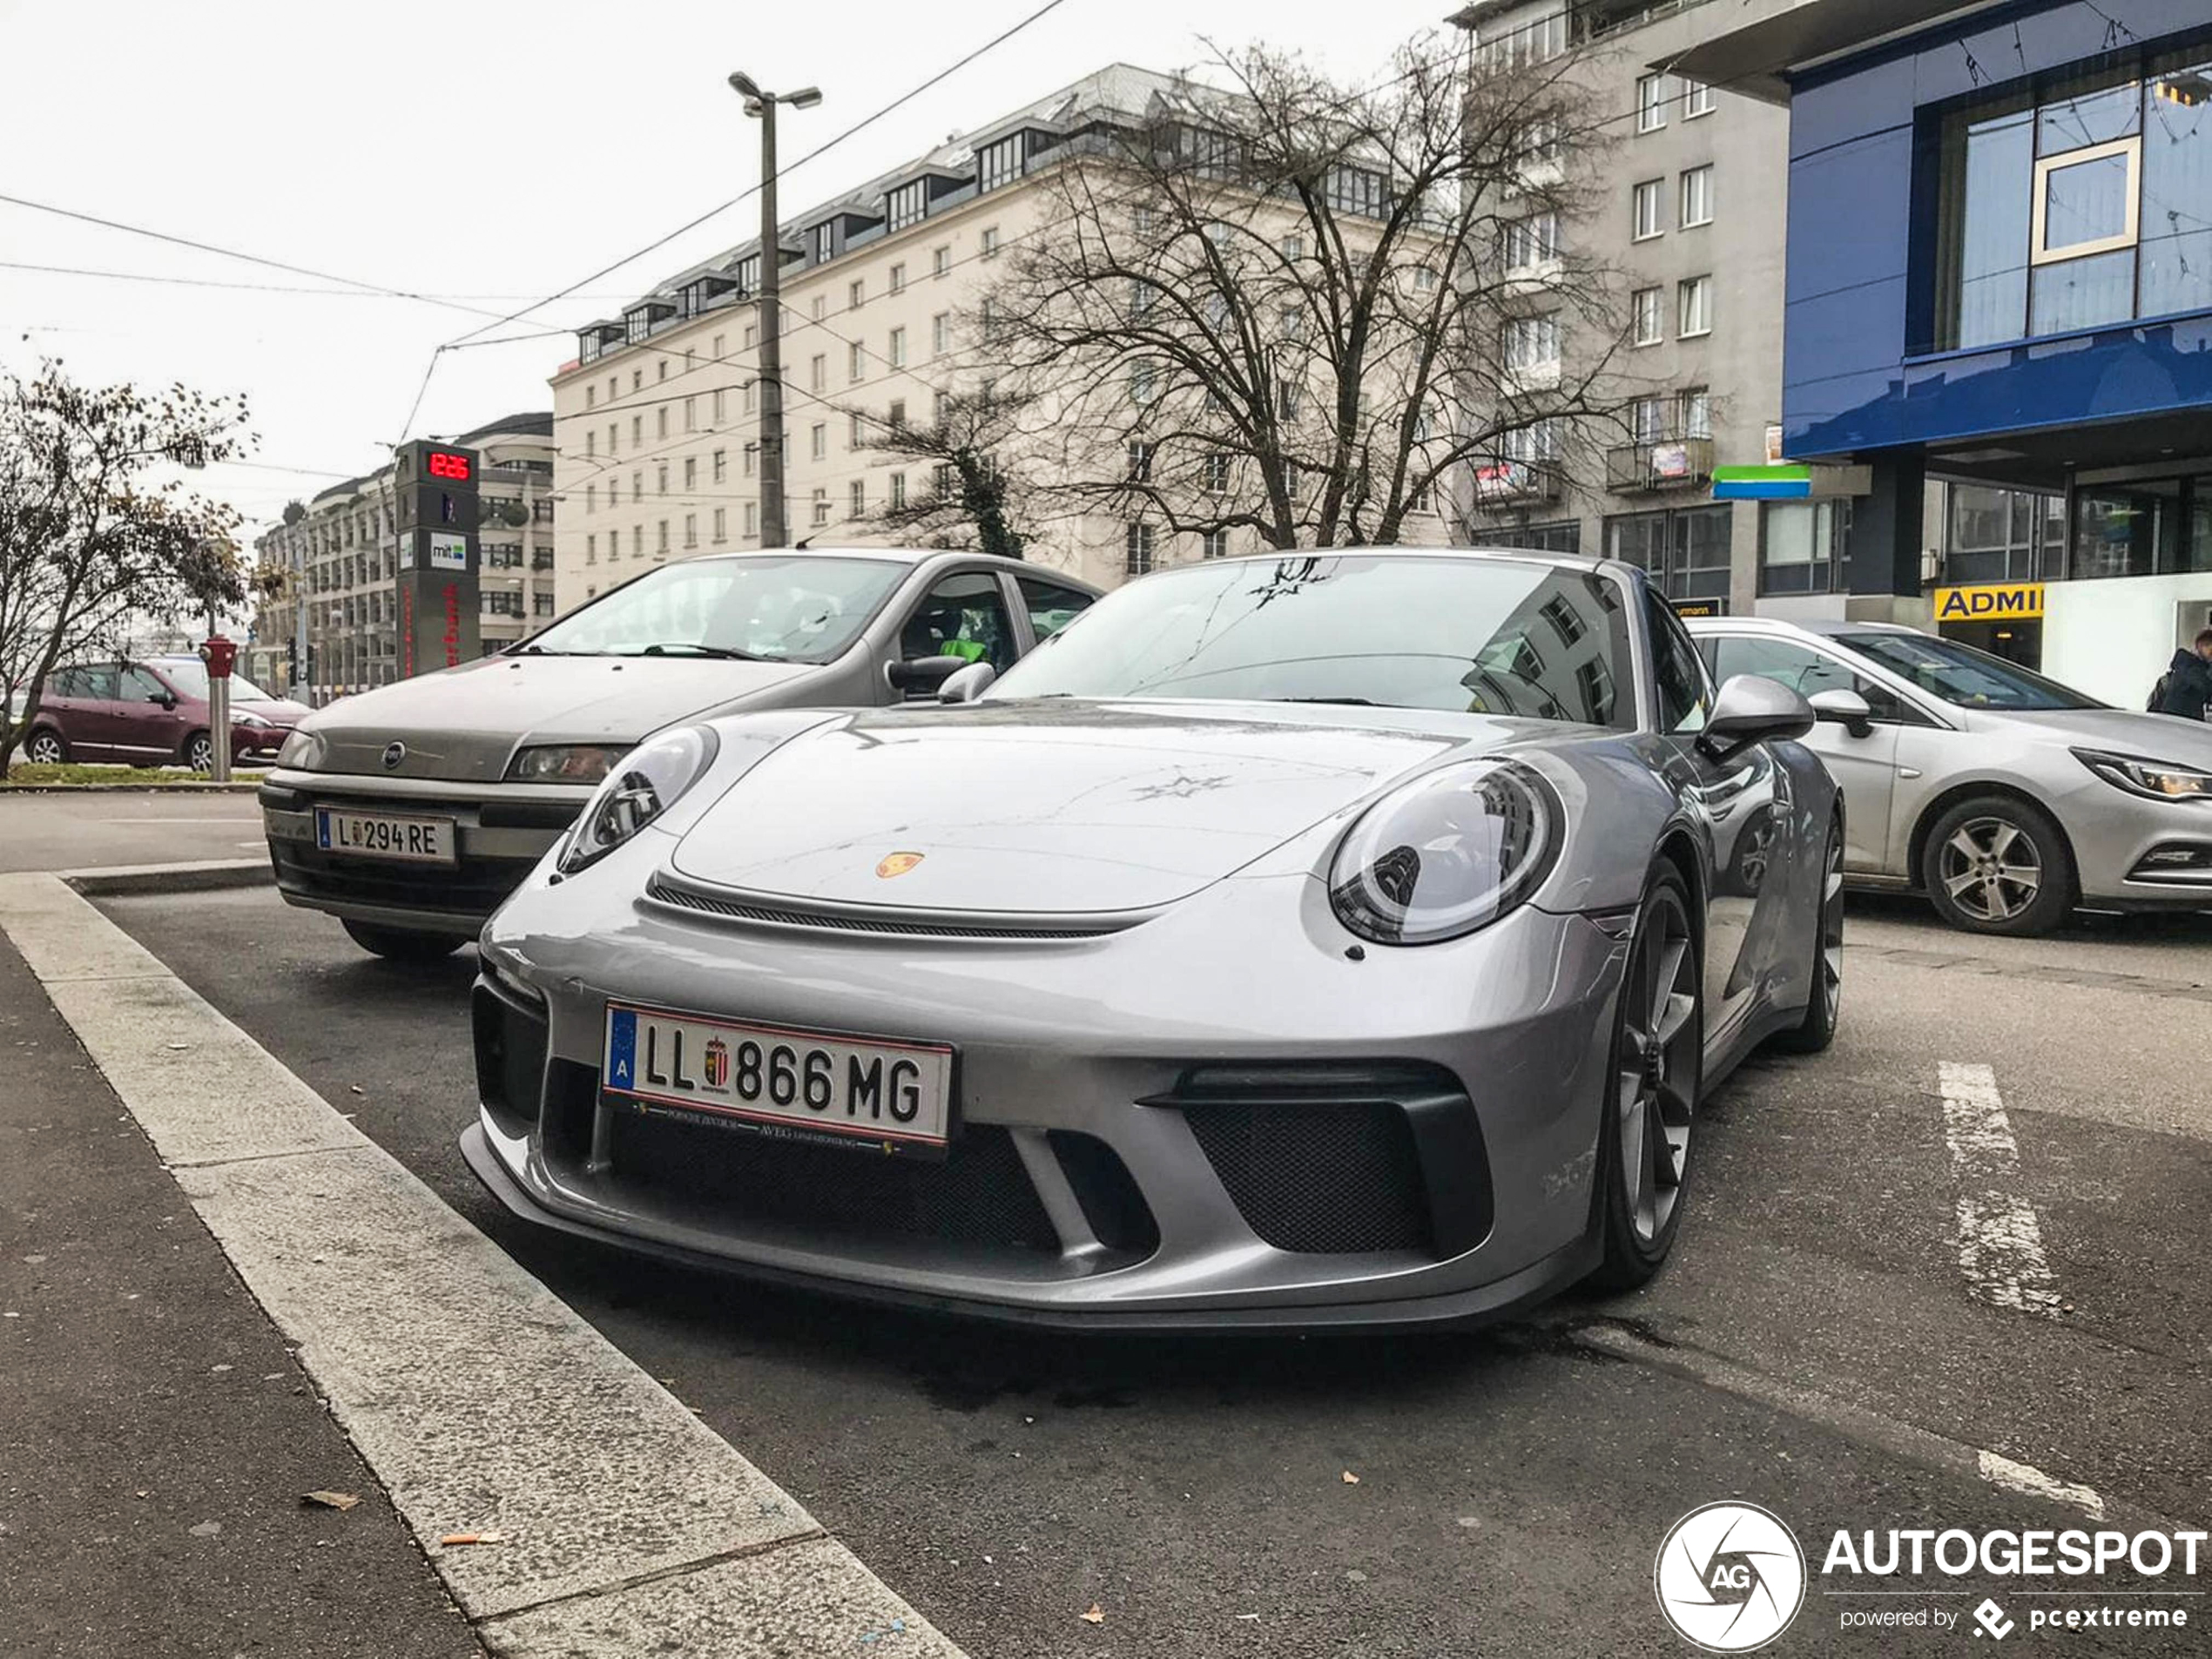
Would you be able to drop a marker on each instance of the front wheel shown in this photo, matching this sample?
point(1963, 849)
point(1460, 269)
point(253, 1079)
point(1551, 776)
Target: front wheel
point(1652, 1089)
point(401, 945)
point(1826, 998)
point(1996, 865)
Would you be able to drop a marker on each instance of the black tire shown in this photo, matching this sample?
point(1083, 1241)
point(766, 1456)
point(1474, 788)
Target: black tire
point(197, 752)
point(46, 747)
point(1661, 996)
point(1998, 865)
point(1818, 1028)
point(402, 945)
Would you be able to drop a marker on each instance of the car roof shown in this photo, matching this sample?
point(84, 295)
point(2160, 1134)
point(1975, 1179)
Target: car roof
point(893, 556)
point(1495, 555)
point(1820, 627)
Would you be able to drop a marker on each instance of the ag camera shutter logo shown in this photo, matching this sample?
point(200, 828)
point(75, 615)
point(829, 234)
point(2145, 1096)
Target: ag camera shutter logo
point(1729, 1577)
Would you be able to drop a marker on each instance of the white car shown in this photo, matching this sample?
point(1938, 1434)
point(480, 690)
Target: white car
point(2007, 798)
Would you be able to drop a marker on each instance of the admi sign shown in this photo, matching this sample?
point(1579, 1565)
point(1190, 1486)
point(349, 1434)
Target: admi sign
point(1996, 601)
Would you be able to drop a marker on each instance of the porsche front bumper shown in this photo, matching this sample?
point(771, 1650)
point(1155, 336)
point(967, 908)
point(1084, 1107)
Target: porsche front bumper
point(1217, 1116)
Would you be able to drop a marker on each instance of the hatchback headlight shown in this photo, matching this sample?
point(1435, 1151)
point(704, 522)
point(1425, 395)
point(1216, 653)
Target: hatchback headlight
point(303, 750)
point(564, 763)
point(639, 787)
point(1446, 853)
point(251, 720)
point(2152, 779)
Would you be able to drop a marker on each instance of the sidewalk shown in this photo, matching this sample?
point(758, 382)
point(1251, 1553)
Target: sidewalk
point(156, 1436)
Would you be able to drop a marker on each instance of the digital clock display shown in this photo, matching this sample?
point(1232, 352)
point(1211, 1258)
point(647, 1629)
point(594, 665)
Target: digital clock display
point(443, 464)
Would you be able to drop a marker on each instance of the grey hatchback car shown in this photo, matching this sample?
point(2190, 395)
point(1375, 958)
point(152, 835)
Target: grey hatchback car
point(410, 812)
point(2007, 798)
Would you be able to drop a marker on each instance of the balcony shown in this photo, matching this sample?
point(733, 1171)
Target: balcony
point(1512, 483)
point(1665, 464)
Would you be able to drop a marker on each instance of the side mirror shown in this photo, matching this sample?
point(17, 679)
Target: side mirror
point(969, 685)
point(1753, 708)
point(1845, 708)
point(922, 676)
point(167, 700)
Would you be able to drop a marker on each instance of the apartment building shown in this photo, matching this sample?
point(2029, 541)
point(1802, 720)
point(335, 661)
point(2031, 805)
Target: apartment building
point(340, 563)
point(883, 290)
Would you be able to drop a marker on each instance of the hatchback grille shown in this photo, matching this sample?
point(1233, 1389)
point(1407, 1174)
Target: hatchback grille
point(980, 1195)
point(473, 888)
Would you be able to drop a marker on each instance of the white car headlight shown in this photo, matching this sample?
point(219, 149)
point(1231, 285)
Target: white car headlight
point(2153, 778)
point(251, 720)
point(303, 750)
point(639, 787)
point(1446, 853)
point(564, 763)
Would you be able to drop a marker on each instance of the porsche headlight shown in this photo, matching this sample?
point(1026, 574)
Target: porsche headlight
point(564, 763)
point(1446, 853)
point(639, 787)
point(2152, 777)
point(303, 750)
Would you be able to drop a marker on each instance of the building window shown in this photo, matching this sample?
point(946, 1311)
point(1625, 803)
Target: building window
point(1287, 400)
point(751, 335)
point(690, 530)
point(636, 486)
point(1685, 552)
point(940, 261)
point(821, 507)
point(1216, 472)
point(1694, 412)
point(1696, 99)
point(1650, 308)
point(591, 443)
point(898, 349)
point(1354, 190)
point(636, 432)
point(1140, 462)
point(1648, 420)
point(1650, 209)
point(856, 498)
point(941, 333)
point(856, 363)
point(897, 497)
point(751, 395)
point(856, 294)
point(1697, 196)
point(1214, 544)
point(591, 549)
point(853, 433)
point(721, 525)
point(1528, 242)
point(690, 415)
point(1532, 342)
point(1802, 545)
point(636, 540)
point(1137, 544)
point(660, 422)
point(987, 241)
point(591, 498)
point(825, 241)
point(895, 416)
point(898, 283)
point(1536, 43)
point(1696, 309)
point(818, 440)
point(748, 458)
point(721, 465)
point(1992, 534)
point(661, 367)
point(817, 308)
point(907, 205)
point(715, 348)
point(1651, 103)
point(660, 536)
point(591, 395)
point(998, 164)
point(753, 518)
point(818, 372)
point(660, 479)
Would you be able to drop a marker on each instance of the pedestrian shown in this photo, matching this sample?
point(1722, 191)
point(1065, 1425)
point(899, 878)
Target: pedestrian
point(2187, 686)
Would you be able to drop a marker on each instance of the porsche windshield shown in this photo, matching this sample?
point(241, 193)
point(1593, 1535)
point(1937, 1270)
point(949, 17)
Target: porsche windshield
point(800, 607)
point(1394, 629)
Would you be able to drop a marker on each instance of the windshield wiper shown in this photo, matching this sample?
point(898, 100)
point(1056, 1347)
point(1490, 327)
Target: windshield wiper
point(728, 652)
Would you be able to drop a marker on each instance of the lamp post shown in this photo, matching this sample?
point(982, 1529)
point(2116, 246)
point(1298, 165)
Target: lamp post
point(762, 105)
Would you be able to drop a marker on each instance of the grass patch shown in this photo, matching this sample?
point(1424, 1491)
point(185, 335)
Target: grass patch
point(26, 776)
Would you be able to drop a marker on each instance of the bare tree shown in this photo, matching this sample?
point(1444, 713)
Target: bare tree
point(970, 497)
point(1295, 306)
point(88, 543)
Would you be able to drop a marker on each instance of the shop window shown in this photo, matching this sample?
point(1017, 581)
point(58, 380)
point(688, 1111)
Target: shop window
point(1685, 550)
point(1802, 545)
point(1992, 534)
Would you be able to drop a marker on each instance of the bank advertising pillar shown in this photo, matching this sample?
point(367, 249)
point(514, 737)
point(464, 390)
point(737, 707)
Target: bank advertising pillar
point(438, 621)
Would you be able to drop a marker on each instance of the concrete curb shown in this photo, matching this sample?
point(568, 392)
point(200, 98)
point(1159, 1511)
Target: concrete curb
point(204, 876)
point(483, 1403)
point(240, 788)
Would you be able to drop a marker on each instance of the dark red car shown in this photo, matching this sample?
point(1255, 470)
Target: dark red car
point(152, 712)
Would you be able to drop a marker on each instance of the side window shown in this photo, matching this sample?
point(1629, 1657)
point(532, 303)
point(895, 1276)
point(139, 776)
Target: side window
point(1678, 674)
point(138, 686)
point(99, 684)
point(1051, 607)
point(65, 682)
point(1806, 671)
point(963, 615)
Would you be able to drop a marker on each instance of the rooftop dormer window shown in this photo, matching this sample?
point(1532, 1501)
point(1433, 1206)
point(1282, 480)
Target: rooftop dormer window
point(907, 205)
point(998, 164)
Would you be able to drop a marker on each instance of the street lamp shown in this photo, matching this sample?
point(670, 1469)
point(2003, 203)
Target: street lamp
point(762, 107)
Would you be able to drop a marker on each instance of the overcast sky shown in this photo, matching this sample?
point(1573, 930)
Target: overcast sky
point(486, 154)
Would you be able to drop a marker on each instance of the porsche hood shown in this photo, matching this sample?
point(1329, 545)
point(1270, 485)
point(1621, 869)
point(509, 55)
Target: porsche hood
point(1048, 807)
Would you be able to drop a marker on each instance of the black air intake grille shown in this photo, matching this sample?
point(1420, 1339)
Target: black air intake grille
point(663, 891)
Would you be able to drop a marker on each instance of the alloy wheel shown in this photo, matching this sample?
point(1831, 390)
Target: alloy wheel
point(1659, 1065)
point(45, 750)
point(1832, 930)
point(199, 754)
point(1991, 869)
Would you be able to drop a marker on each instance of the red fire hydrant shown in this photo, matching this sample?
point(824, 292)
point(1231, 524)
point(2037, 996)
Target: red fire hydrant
point(222, 656)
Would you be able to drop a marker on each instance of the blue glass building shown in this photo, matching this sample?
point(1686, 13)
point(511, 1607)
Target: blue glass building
point(2000, 271)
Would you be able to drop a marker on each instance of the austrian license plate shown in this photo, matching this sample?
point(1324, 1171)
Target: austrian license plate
point(385, 835)
point(797, 1085)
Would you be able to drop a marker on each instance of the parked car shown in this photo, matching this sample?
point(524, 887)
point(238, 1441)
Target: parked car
point(2004, 797)
point(411, 810)
point(152, 711)
point(1297, 940)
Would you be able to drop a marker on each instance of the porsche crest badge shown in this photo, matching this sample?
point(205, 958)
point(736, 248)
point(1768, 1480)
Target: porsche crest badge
point(897, 864)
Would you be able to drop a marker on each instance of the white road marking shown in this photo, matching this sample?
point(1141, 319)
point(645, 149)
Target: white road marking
point(2020, 1477)
point(1857, 1423)
point(480, 1399)
point(2000, 1244)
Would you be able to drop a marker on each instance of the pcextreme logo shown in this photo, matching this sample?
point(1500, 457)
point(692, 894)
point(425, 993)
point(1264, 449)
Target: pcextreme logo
point(1729, 1577)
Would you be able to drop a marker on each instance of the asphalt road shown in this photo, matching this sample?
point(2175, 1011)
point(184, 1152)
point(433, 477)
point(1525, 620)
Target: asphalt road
point(1817, 1346)
point(81, 830)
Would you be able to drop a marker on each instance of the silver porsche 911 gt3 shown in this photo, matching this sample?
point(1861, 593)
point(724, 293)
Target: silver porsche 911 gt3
point(1294, 941)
